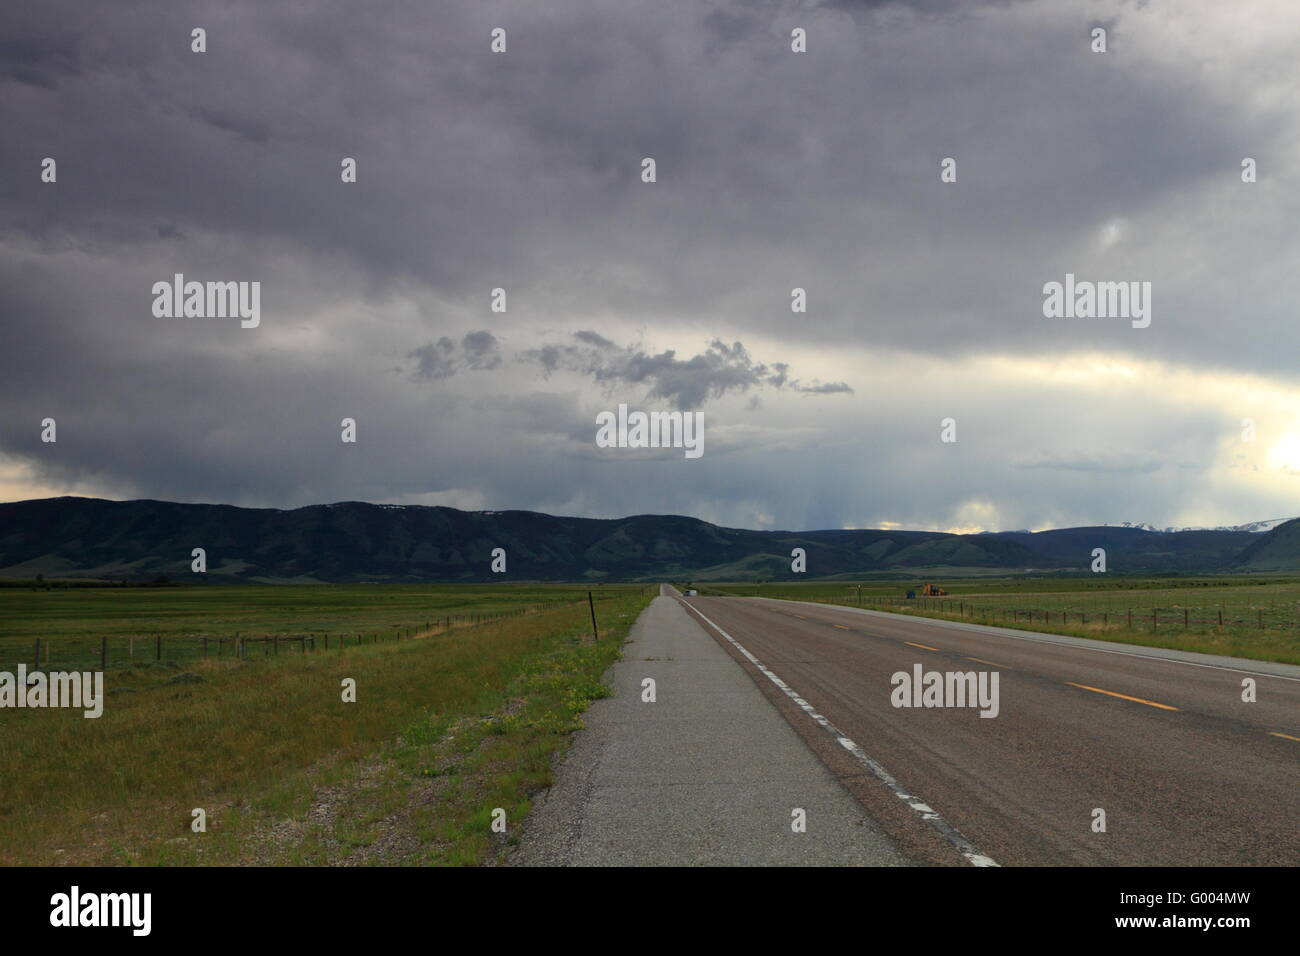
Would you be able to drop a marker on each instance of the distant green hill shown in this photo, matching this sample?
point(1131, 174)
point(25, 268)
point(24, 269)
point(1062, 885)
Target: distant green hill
point(355, 541)
point(1279, 550)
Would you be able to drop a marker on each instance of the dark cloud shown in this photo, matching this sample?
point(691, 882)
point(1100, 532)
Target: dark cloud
point(251, 130)
point(477, 351)
point(39, 60)
point(687, 383)
point(776, 170)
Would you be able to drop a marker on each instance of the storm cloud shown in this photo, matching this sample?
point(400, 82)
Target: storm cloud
point(687, 383)
point(775, 170)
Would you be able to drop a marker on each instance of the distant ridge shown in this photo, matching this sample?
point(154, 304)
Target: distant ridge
point(354, 541)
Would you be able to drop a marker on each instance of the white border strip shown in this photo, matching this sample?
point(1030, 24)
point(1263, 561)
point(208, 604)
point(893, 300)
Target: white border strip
point(927, 813)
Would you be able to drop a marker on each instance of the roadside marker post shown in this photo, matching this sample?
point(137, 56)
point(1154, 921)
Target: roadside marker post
point(595, 634)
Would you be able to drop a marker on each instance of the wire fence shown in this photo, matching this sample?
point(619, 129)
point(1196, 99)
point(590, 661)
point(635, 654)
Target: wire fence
point(142, 650)
point(1021, 610)
point(1112, 610)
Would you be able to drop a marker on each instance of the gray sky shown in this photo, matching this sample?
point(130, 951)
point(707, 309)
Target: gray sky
point(522, 170)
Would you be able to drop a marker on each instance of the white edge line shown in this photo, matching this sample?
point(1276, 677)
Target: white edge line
point(926, 813)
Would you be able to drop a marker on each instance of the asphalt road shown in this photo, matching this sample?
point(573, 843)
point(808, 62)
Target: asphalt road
point(1186, 772)
point(709, 773)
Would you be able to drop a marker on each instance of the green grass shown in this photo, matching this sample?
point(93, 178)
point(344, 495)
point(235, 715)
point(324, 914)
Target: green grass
point(444, 730)
point(1256, 616)
point(71, 622)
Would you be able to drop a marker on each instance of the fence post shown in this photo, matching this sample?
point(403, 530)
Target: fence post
point(595, 634)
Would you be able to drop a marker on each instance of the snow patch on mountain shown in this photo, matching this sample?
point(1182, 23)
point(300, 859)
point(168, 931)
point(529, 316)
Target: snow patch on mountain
point(1254, 527)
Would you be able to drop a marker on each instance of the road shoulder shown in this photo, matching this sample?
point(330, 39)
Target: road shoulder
point(710, 773)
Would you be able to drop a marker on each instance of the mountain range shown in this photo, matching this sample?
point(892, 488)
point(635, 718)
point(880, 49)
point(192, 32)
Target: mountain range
point(354, 541)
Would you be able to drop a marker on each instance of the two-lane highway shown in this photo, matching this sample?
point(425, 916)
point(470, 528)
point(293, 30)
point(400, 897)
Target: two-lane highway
point(1184, 770)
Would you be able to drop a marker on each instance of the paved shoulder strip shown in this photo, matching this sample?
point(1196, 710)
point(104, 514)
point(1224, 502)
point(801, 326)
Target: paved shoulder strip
point(689, 763)
point(926, 812)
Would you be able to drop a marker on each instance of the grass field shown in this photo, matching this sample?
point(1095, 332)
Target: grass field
point(1255, 617)
point(444, 729)
point(72, 623)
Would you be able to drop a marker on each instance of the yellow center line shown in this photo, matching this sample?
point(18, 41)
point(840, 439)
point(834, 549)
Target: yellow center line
point(990, 663)
point(1274, 733)
point(924, 647)
point(801, 617)
point(1111, 693)
point(842, 627)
